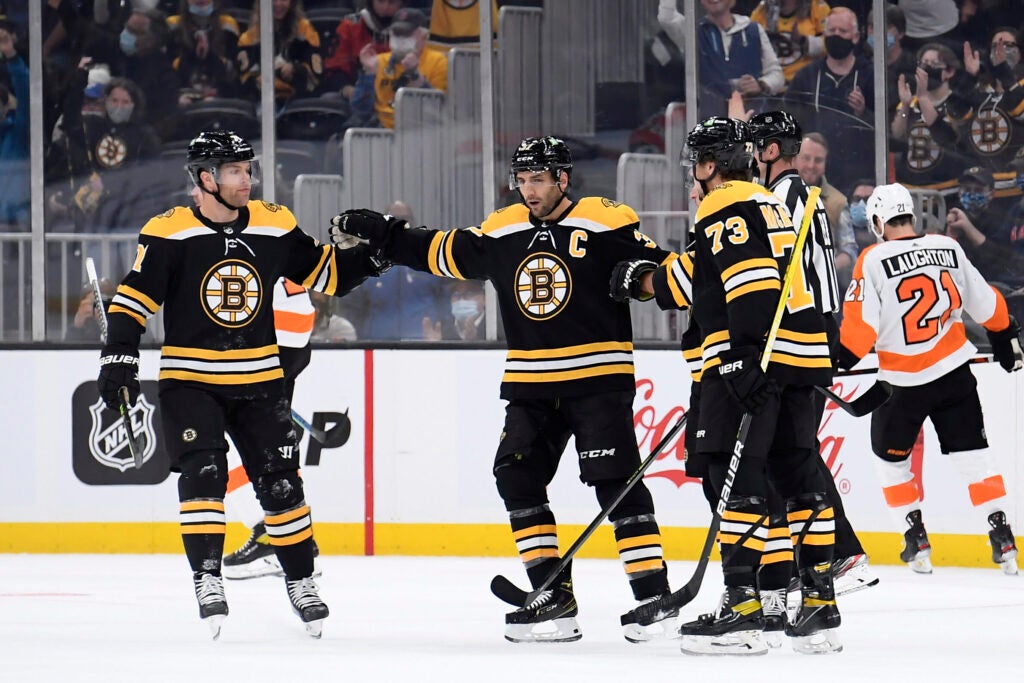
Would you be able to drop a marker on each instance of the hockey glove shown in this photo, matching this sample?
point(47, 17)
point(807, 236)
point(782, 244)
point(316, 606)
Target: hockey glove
point(625, 281)
point(744, 379)
point(376, 228)
point(119, 367)
point(1006, 346)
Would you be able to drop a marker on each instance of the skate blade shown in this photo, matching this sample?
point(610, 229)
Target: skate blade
point(740, 643)
point(855, 580)
point(315, 628)
point(215, 622)
point(820, 643)
point(774, 639)
point(564, 630)
point(921, 565)
point(1009, 566)
point(659, 630)
point(252, 570)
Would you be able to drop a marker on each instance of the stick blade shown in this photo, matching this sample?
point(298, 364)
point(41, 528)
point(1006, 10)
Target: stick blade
point(872, 399)
point(505, 590)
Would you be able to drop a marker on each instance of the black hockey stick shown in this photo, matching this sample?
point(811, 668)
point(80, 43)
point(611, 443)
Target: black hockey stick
point(333, 437)
point(656, 610)
point(872, 399)
point(122, 393)
point(513, 595)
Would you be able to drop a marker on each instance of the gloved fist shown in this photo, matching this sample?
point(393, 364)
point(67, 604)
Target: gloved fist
point(119, 367)
point(625, 281)
point(372, 226)
point(744, 379)
point(1006, 346)
point(379, 263)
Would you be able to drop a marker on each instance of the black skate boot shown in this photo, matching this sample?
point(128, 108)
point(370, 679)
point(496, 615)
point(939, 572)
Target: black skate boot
point(917, 550)
point(814, 627)
point(649, 620)
point(255, 558)
point(1004, 547)
point(773, 604)
point(306, 602)
point(550, 618)
point(213, 606)
point(736, 629)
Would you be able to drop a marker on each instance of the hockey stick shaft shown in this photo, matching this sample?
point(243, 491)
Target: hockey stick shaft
point(507, 591)
point(872, 399)
point(122, 393)
point(649, 612)
point(318, 434)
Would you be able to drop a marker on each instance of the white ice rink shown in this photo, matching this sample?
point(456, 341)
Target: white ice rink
point(82, 618)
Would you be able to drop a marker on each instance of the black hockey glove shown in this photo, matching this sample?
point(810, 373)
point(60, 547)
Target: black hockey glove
point(625, 281)
point(746, 382)
point(119, 367)
point(376, 228)
point(1006, 346)
point(379, 263)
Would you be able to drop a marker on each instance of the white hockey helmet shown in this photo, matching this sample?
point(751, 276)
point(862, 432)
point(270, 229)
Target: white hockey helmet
point(886, 203)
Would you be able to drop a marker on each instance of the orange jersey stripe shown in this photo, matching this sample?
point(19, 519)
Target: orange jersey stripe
point(986, 490)
point(237, 478)
point(287, 321)
point(949, 344)
point(901, 494)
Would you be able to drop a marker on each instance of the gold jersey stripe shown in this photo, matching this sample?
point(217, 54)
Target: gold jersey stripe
point(566, 375)
point(803, 337)
point(538, 530)
point(643, 566)
point(292, 539)
point(636, 541)
point(133, 293)
point(117, 308)
point(202, 528)
point(538, 553)
point(579, 350)
point(232, 378)
point(193, 505)
point(230, 354)
point(749, 264)
point(759, 286)
point(801, 361)
point(285, 517)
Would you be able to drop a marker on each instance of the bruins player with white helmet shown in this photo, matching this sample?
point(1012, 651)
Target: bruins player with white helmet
point(212, 268)
point(569, 367)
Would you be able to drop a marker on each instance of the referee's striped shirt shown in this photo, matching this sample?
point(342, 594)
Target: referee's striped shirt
point(819, 255)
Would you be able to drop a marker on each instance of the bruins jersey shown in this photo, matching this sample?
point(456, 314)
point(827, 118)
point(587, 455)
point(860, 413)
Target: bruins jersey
point(744, 236)
point(566, 336)
point(215, 283)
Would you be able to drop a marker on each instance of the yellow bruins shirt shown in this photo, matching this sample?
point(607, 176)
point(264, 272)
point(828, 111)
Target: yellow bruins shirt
point(391, 76)
point(566, 336)
point(744, 236)
point(215, 283)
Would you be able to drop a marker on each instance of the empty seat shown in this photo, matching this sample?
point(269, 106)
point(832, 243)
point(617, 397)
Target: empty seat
point(219, 113)
point(312, 118)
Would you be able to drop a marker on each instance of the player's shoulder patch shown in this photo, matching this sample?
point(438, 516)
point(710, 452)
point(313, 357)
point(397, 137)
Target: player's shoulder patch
point(504, 217)
point(175, 224)
point(606, 212)
point(732, 192)
point(269, 214)
point(270, 206)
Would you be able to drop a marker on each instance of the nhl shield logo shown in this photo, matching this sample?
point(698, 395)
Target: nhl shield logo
point(108, 440)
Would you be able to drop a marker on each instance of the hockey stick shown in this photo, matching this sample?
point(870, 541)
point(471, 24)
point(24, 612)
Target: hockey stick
point(657, 610)
point(122, 393)
point(333, 437)
point(512, 594)
point(872, 399)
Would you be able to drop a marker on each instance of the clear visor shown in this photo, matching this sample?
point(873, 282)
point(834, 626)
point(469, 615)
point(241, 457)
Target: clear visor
point(537, 178)
point(234, 174)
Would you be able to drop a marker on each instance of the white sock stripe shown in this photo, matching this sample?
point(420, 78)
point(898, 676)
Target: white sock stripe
point(202, 517)
point(537, 542)
point(649, 553)
point(740, 528)
point(775, 545)
point(289, 528)
point(820, 526)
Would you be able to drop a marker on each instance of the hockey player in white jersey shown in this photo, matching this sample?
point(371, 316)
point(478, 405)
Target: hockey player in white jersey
point(907, 299)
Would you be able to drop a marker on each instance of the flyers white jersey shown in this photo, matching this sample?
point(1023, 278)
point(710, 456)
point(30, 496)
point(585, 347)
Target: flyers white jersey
point(293, 314)
point(907, 298)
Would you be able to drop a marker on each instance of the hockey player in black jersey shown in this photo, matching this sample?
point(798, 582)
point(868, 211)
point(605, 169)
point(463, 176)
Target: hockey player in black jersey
point(212, 268)
point(743, 241)
point(569, 368)
point(777, 137)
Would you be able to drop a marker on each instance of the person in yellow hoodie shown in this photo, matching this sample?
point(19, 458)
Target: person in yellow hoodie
point(796, 29)
point(409, 64)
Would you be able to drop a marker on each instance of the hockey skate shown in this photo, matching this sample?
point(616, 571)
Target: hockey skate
point(736, 629)
point(656, 628)
point(814, 628)
point(306, 602)
point(550, 618)
point(213, 606)
point(773, 604)
point(917, 550)
point(852, 574)
point(1004, 547)
point(258, 558)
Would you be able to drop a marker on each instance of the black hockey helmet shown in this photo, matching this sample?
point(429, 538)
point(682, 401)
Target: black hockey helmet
point(546, 153)
point(208, 150)
point(726, 141)
point(777, 126)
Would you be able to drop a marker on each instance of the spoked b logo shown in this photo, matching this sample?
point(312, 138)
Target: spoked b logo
point(99, 443)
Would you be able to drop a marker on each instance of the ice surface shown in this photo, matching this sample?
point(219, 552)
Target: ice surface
point(113, 618)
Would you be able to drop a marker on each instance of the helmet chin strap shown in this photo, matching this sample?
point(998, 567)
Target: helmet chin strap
point(704, 181)
point(220, 199)
point(767, 171)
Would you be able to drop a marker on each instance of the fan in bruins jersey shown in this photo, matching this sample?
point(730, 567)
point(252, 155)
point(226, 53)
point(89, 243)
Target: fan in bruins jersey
point(569, 368)
point(213, 268)
point(743, 238)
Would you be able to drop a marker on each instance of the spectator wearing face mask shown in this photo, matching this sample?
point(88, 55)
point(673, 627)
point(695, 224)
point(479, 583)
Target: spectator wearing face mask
point(835, 95)
point(898, 61)
point(466, 322)
point(143, 60)
point(409, 64)
point(856, 212)
point(297, 61)
point(976, 212)
point(203, 46)
point(928, 129)
point(990, 86)
point(368, 26)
